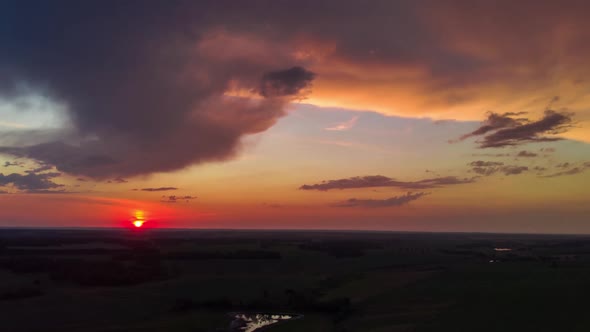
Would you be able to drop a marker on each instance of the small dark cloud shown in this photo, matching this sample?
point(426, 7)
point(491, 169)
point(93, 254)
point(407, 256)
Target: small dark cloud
point(120, 180)
point(40, 169)
point(290, 82)
point(514, 170)
point(381, 203)
point(373, 181)
point(501, 130)
point(81, 179)
point(491, 155)
point(481, 163)
point(547, 150)
point(571, 171)
point(30, 181)
point(487, 168)
point(159, 189)
point(47, 191)
point(13, 163)
point(175, 199)
point(526, 154)
point(495, 122)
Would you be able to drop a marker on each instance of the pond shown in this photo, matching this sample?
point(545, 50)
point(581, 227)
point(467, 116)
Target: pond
point(250, 322)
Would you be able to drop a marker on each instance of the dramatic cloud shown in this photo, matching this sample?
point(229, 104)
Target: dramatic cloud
point(146, 86)
point(159, 189)
point(30, 181)
point(379, 203)
point(159, 86)
point(373, 181)
point(502, 130)
point(526, 154)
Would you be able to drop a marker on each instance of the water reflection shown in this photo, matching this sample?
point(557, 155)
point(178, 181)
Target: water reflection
point(252, 322)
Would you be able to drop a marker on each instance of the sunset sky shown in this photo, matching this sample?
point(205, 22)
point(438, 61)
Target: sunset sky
point(372, 115)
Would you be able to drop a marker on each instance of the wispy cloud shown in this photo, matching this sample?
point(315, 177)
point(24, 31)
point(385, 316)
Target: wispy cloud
point(159, 189)
point(373, 181)
point(176, 199)
point(570, 169)
point(342, 126)
point(526, 154)
point(488, 168)
point(382, 203)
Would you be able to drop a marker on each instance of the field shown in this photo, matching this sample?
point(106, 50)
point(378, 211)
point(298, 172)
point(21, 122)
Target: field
point(179, 280)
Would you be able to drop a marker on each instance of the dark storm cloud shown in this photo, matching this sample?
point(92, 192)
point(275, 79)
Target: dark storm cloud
point(159, 189)
point(381, 203)
point(144, 82)
point(30, 181)
point(373, 181)
point(501, 130)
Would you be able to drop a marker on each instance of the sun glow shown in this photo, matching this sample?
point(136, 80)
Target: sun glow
point(138, 218)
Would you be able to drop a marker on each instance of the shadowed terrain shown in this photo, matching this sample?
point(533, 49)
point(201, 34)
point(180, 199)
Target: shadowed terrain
point(178, 280)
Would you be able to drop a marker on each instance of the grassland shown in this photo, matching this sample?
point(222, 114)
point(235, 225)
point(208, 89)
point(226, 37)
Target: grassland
point(172, 280)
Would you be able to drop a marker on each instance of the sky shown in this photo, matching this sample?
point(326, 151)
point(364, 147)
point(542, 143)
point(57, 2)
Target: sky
point(453, 116)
